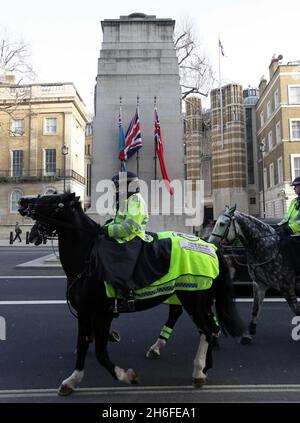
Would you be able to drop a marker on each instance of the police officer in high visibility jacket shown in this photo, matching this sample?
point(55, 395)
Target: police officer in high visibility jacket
point(125, 234)
point(131, 215)
point(290, 225)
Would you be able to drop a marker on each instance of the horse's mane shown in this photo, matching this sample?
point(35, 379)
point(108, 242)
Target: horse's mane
point(262, 226)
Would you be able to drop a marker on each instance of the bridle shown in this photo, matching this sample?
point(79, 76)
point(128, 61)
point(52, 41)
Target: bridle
point(232, 220)
point(32, 212)
point(224, 236)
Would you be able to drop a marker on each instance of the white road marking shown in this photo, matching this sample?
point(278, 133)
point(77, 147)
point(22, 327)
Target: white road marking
point(42, 302)
point(33, 302)
point(105, 391)
point(34, 277)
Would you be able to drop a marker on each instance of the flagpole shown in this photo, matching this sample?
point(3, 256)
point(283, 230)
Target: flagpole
point(220, 97)
point(155, 155)
point(137, 154)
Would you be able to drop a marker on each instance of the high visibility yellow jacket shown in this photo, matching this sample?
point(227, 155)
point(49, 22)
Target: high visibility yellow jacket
point(131, 222)
point(292, 217)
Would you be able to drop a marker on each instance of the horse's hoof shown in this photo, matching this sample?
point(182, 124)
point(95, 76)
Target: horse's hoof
point(65, 390)
point(152, 354)
point(132, 377)
point(246, 340)
point(114, 336)
point(199, 382)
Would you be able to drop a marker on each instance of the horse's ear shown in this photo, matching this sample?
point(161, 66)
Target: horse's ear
point(232, 209)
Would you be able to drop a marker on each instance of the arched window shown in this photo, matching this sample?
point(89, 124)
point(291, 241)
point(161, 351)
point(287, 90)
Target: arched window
point(14, 199)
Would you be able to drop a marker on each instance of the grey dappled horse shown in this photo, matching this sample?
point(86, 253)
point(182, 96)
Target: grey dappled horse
point(266, 265)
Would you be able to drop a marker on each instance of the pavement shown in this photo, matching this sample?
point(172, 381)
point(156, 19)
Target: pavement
point(48, 261)
point(5, 243)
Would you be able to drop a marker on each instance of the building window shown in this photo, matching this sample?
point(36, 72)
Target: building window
point(268, 110)
point(272, 176)
point(280, 170)
point(14, 201)
point(50, 126)
point(294, 94)
point(17, 163)
point(276, 99)
point(295, 165)
point(252, 200)
point(278, 132)
point(17, 128)
point(295, 129)
point(270, 140)
point(88, 130)
point(262, 119)
point(50, 161)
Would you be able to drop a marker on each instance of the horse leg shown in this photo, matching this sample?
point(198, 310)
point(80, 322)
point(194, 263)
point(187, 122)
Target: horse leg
point(101, 326)
point(198, 306)
point(175, 312)
point(259, 292)
point(83, 341)
point(290, 295)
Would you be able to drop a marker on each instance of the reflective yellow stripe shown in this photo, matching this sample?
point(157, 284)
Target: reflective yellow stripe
point(126, 228)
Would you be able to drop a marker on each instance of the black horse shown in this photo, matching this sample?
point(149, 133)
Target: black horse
point(78, 234)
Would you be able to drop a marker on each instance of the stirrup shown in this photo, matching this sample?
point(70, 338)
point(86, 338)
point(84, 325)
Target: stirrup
point(131, 304)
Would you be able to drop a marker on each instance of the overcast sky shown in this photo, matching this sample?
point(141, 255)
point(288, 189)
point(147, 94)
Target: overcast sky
point(65, 36)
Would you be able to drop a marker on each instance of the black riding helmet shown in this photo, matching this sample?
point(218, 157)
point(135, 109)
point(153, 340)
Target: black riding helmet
point(296, 181)
point(130, 178)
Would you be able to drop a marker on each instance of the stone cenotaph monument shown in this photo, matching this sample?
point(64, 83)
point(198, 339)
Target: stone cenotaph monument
point(138, 63)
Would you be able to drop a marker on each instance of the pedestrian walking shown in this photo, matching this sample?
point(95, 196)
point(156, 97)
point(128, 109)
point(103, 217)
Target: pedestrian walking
point(18, 232)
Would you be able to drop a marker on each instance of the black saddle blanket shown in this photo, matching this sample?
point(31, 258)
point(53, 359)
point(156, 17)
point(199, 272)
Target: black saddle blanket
point(134, 264)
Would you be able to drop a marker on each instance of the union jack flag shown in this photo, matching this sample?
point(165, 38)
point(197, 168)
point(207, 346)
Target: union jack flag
point(133, 138)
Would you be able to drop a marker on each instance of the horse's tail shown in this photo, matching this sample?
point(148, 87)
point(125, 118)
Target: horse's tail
point(228, 316)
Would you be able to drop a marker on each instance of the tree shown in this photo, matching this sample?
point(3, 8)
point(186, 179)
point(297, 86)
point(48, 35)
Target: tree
point(196, 74)
point(15, 71)
point(15, 59)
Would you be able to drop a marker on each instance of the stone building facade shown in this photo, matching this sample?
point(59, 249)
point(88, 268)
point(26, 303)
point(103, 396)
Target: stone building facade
point(36, 121)
point(278, 135)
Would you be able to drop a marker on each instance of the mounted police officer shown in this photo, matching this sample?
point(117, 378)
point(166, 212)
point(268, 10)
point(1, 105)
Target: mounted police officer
point(127, 230)
point(289, 227)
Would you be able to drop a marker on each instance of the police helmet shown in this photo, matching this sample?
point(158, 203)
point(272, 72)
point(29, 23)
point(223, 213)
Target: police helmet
point(296, 181)
point(129, 177)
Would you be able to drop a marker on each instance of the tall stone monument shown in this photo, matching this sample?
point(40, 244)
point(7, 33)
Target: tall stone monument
point(137, 59)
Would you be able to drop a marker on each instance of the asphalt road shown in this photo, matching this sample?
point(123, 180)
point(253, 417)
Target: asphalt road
point(40, 338)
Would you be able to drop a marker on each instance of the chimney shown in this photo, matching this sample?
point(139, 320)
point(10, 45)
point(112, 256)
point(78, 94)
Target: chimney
point(262, 85)
point(274, 64)
point(7, 78)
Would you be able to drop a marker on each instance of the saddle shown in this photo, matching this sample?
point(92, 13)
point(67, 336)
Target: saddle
point(134, 264)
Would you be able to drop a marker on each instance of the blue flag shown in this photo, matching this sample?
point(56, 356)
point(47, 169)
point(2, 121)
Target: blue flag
point(121, 142)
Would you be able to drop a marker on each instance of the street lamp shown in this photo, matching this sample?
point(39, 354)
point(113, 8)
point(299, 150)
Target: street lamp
point(262, 149)
point(64, 152)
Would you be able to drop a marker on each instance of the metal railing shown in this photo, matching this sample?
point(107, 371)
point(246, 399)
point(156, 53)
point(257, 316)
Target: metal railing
point(34, 175)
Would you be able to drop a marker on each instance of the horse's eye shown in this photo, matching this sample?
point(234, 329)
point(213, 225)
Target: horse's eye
point(222, 223)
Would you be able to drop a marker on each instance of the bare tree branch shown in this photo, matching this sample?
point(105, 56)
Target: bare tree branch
point(14, 63)
point(195, 71)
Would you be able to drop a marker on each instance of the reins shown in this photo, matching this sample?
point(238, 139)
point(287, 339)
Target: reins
point(253, 265)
